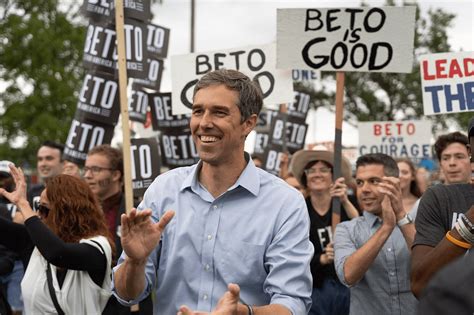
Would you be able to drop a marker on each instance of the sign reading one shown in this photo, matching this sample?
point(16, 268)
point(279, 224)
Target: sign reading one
point(145, 165)
point(408, 138)
point(256, 62)
point(447, 81)
point(346, 39)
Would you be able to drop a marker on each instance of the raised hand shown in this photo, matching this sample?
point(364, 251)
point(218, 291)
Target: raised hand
point(140, 235)
point(339, 189)
point(227, 304)
point(388, 215)
point(328, 256)
point(19, 194)
point(390, 186)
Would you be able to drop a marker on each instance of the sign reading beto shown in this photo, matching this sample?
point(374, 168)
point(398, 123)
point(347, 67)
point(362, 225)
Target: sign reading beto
point(145, 164)
point(410, 138)
point(100, 50)
point(99, 98)
point(293, 135)
point(137, 105)
point(83, 136)
point(346, 39)
point(256, 62)
point(447, 81)
point(162, 119)
point(177, 148)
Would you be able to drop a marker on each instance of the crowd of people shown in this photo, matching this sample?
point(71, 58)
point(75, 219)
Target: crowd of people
point(226, 237)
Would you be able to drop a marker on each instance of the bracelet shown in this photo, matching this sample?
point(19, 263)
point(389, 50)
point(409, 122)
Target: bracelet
point(250, 309)
point(464, 231)
point(457, 242)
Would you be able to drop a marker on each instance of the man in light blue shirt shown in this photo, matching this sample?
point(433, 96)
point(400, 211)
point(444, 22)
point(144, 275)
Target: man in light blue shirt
point(372, 252)
point(235, 233)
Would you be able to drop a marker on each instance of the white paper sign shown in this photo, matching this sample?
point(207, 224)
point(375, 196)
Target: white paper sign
point(409, 138)
point(447, 82)
point(256, 62)
point(346, 39)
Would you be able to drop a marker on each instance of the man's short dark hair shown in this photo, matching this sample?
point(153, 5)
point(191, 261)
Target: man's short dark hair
point(390, 167)
point(112, 154)
point(444, 140)
point(54, 145)
point(250, 95)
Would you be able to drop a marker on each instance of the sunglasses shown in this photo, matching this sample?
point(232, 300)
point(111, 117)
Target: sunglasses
point(43, 210)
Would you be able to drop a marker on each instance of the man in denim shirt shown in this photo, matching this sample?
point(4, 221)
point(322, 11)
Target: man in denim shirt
point(236, 233)
point(372, 254)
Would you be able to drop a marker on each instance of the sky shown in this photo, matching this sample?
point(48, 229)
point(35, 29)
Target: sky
point(225, 24)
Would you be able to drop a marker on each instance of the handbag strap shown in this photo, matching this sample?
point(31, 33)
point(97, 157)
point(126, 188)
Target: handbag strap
point(49, 277)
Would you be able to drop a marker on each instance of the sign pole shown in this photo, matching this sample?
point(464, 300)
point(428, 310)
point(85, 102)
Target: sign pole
point(122, 70)
point(336, 202)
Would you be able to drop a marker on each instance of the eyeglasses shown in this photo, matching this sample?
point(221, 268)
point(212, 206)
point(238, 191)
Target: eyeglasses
point(94, 169)
point(322, 170)
point(43, 210)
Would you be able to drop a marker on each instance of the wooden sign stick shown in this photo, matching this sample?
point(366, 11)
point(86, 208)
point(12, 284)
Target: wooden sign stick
point(122, 70)
point(336, 202)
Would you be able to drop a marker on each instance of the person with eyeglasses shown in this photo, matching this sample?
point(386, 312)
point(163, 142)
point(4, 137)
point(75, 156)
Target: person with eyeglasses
point(103, 172)
point(313, 169)
point(68, 243)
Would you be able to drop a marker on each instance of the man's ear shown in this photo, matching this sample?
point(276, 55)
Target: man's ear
point(250, 123)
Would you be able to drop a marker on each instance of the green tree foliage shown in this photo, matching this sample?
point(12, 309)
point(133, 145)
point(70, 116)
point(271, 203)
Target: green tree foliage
point(41, 63)
point(371, 96)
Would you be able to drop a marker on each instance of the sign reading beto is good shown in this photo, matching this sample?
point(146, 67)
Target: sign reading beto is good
point(346, 39)
point(447, 81)
point(410, 138)
point(256, 62)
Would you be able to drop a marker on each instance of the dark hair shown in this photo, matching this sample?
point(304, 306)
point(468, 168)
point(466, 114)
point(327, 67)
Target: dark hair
point(112, 154)
point(414, 189)
point(250, 95)
point(390, 167)
point(310, 164)
point(444, 140)
point(75, 212)
point(54, 145)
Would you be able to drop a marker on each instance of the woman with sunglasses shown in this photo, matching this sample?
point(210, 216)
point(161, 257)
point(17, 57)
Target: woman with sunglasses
point(70, 264)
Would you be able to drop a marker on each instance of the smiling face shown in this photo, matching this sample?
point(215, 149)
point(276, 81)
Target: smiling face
point(49, 162)
point(215, 125)
point(367, 179)
point(406, 175)
point(455, 163)
point(319, 177)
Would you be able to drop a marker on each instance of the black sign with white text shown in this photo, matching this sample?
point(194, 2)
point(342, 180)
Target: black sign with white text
point(99, 98)
point(271, 159)
point(264, 121)
point(300, 107)
point(104, 10)
point(261, 142)
point(137, 105)
point(83, 136)
point(145, 163)
point(100, 49)
point(153, 79)
point(293, 136)
point(158, 40)
point(161, 117)
point(178, 149)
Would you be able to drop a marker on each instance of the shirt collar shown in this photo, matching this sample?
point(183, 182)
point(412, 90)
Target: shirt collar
point(371, 218)
point(248, 179)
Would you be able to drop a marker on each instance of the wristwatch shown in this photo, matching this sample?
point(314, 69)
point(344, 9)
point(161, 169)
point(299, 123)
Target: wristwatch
point(407, 219)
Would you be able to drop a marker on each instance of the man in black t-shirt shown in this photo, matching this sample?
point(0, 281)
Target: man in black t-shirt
point(437, 241)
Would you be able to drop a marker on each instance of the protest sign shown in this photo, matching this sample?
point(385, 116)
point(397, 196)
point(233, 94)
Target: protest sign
point(84, 135)
point(272, 158)
point(261, 141)
point(100, 51)
point(346, 39)
point(410, 138)
point(256, 62)
point(153, 79)
point(305, 75)
point(264, 120)
point(300, 106)
point(99, 98)
point(137, 105)
point(447, 81)
point(177, 148)
point(157, 41)
point(105, 9)
point(162, 119)
point(289, 132)
point(145, 165)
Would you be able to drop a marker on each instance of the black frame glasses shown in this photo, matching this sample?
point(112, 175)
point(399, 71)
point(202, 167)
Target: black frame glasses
point(95, 169)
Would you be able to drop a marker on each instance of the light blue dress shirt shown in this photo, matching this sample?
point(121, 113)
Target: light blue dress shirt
point(385, 287)
point(256, 235)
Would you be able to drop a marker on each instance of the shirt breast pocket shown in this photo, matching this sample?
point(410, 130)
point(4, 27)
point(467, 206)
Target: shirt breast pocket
point(241, 262)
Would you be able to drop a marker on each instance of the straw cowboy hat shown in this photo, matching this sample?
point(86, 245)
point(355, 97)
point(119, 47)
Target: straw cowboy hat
point(301, 158)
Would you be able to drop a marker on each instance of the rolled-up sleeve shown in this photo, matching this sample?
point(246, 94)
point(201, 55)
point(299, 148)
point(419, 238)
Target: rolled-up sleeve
point(343, 248)
point(289, 281)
